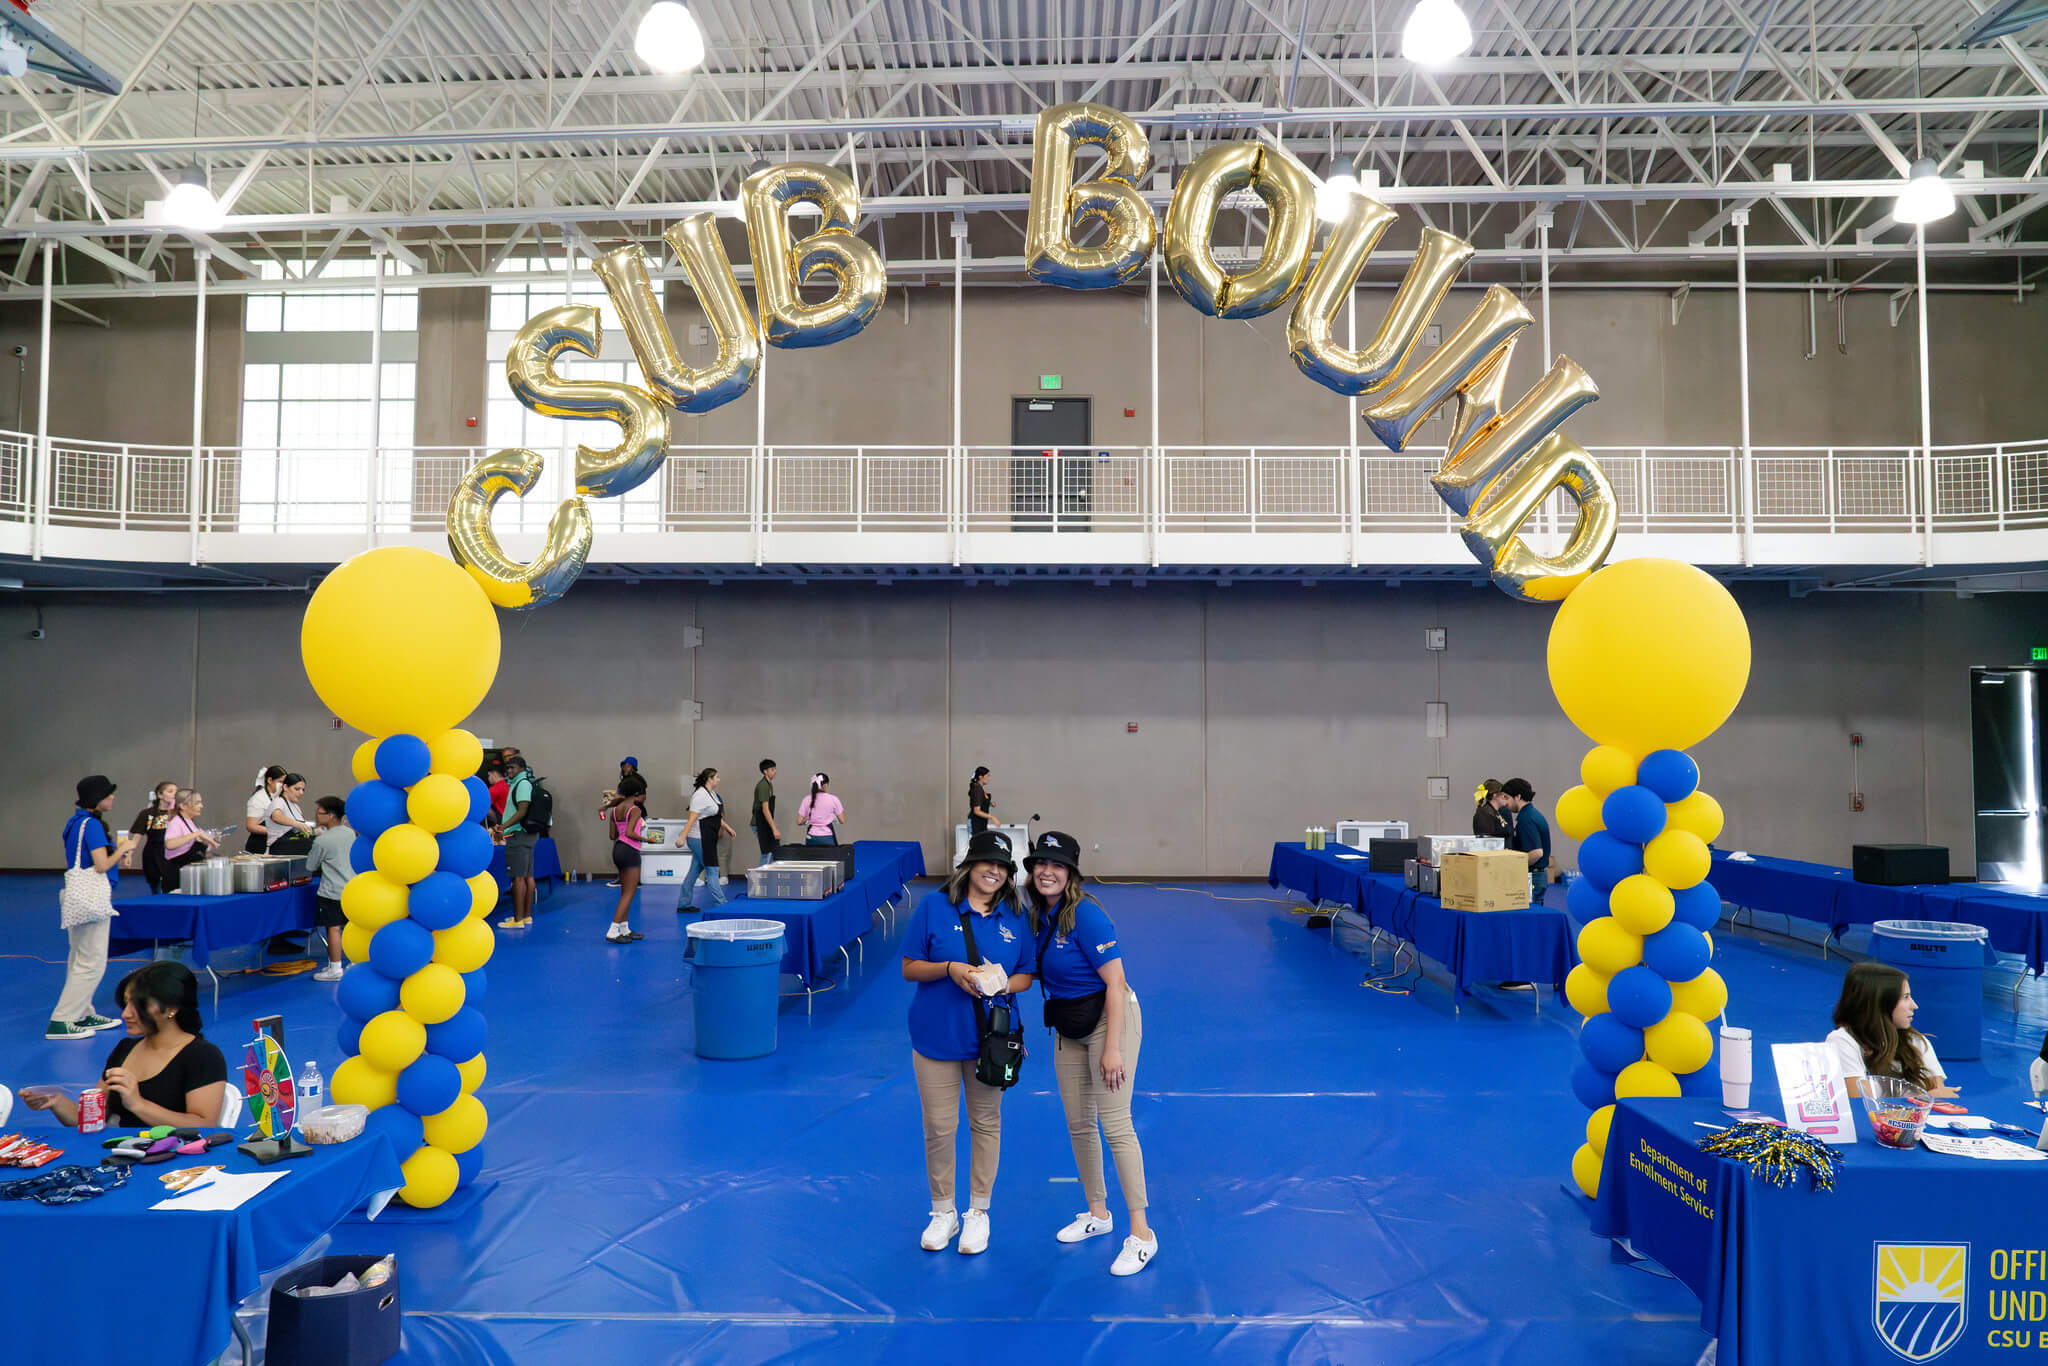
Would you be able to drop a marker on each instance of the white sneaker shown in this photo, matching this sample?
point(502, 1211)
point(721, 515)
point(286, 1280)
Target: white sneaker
point(974, 1232)
point(1084, 1227)
point(330, 973)
point(939, 1231)
point(1136, 1256)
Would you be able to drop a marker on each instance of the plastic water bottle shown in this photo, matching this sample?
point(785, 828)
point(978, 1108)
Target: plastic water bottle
point(309, 1091)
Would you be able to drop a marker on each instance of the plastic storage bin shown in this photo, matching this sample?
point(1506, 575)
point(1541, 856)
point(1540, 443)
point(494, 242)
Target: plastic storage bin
point(1946, 964)
point(739, 976)
point(357, 1329)
point(788, 880)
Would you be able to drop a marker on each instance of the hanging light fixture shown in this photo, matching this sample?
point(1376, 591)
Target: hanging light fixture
point(1437, 33)
point(1927, 198)
point(191, 204)
point(1339, 187)
point(668, 38)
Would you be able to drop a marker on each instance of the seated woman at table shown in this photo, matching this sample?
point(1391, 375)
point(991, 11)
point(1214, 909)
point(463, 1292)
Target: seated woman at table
point(184, 841)
point(165, 1071)
point(1875, 1035)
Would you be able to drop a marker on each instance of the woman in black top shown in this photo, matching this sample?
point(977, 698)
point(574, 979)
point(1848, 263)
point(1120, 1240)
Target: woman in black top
point(1489, 820)
point(980, 810)
point(149, 828)
point(164, 1072)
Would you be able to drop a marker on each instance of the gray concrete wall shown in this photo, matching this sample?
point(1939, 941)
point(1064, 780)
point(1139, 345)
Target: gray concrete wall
point(1260, 710)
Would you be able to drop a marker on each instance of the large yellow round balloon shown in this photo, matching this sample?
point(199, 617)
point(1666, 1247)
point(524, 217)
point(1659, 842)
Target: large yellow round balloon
point(433, 994)
point(406, 853)
point(458, 1128)
point(1586, 990)
point(430, 1176)
point(483, 894)
point(355, 942)
point(1586, 1165)
point(466, 945)
point(1678, 859)
point(1645, 1079)
point(1703, 998)
point(358, 1081)
point(1649, 654)
point(1607, 768)
point(472, 1073)
point(393, 1040)
point(1578, 812)
point(455, 753)
point(372, 900)
point(1679, 1043)
point(363, 763)
point(400, 639)
point(1607, 948)
point(1641, 904)
point(1597, 1125)
point(437, 803)
point(1698, 814)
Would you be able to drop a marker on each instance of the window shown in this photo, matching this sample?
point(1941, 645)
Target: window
point(305, 435)
point(332, 310)
point(514, 300)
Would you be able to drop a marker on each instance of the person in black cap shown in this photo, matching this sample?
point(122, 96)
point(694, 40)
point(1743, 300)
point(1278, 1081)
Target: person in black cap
point(92, 864)
point(980, 900)
point(1095, 1050)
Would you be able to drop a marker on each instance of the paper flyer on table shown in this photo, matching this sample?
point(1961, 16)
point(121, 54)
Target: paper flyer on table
point(227, 1190)
point(1988, 1147)
point(1816, 1101)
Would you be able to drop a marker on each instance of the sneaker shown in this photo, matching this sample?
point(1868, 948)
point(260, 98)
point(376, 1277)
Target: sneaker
point(1084, 1227)
point(60, 1030)
point(635, 935)
point(330, 973)
point(619, 934)
point(939, 1231)
point(612, 884)
point(94, 1022)
point(974, 1232)
point(1136, 1256)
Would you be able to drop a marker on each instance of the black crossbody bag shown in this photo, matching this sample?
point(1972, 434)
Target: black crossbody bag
point(1002, 1037)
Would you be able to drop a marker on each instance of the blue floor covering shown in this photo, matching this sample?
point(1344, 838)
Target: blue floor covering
point(1338, 1174)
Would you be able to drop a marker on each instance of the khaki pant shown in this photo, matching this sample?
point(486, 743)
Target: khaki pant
point(938, 1093)
point(82, 972)
point(1078, 1065)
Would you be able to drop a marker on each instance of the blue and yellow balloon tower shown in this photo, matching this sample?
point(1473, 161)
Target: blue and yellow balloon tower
point(402, 644)
point(1648, 658)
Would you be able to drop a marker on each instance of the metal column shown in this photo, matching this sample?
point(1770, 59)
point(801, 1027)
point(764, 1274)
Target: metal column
point(197, 492)
point(1353, 491)
point(1740, 218)
point(1155, 459)
point(1926, 406)
point(761, 455)
point(956, 505)
point(43, 470)
point(1543, 257)
point(370, 471)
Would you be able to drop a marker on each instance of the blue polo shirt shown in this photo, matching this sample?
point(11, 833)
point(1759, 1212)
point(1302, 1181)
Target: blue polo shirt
point(1533, 832)
point(1071, 963)
point(941, 1015)
point(95, 838)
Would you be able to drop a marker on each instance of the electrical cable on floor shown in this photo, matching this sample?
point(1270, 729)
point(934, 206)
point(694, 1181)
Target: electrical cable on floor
point(1395, 973)
point(1197, 891)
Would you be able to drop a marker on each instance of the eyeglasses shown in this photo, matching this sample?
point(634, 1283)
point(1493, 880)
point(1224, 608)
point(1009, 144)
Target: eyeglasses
point(65, 1185)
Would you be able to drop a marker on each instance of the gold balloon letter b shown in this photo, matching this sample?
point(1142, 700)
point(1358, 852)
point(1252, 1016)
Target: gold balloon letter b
point(1059, 207)
point(782, 266)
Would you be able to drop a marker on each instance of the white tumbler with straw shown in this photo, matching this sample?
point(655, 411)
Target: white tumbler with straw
point(1735, 1067)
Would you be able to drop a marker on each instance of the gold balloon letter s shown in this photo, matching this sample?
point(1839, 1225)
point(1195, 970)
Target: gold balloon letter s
point(782, 266)
point(1059, 207)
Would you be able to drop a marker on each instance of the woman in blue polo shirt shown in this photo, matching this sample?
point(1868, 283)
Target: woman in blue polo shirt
point(945, 1035)
point(1095, 1014)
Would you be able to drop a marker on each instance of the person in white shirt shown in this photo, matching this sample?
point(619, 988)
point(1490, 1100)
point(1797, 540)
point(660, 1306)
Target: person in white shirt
point(257, 813)
point(1874, 1033)
point(285, 823)
point(707, 822)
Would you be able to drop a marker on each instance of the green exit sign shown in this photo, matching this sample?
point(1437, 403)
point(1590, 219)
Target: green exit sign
point(2040, 653)
point(1048, 381)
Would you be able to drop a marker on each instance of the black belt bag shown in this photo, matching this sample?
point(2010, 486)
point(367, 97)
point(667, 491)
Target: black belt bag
point(1001, 1057)
point(1075, 1017)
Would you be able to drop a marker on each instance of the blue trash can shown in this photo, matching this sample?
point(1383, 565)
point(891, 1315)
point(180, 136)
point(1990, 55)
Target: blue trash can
point(738, 982)
point(1946, 964)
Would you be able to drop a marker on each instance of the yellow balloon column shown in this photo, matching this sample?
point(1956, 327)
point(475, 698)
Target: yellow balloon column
point(1648, 658)
point(403, 644)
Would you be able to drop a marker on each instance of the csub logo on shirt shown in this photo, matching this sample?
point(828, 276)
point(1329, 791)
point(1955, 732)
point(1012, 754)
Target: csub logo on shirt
point(1105, 948)
point(1918, 1297)
point(1004, 931)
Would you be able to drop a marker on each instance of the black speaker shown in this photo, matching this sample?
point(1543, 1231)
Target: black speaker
point(841, 854)
point(1391, 856)
point(1899, 865)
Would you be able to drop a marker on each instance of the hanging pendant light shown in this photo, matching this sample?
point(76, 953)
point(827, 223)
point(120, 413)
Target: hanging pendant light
point(668, 39)
point(1437, 33)
point(190, 203)
point(1927, 198)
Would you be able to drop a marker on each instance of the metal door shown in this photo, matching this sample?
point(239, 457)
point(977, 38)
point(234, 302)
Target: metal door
point(1052, 473)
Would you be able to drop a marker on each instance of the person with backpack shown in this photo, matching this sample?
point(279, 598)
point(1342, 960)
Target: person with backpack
point(529, 812)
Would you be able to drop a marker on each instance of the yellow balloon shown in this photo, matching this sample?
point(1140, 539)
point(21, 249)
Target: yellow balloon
point(373, 900)
point(472, 1073)
point(483, 894)
point(1607, 769)
point(1704, 997)
point(355, 942)
point(433, 994)
point(455, 753)
point(458, 1128)
point(1578, 812)
point(1641, 904)
point(358, 1081)
point(1698, 814)
point(437, 803)
point(393, 1041)
point(1586, 990)
point(1645, 1079)
point(1597, 1125)
point(400, 639)
point(1649, 654)
point(1678, 859)
point(466, 945)
point(430, 1177)
point(1607, 948)
point(1586, 1170)
point(363, 764)
point(1679, 1043)
point(406, 853)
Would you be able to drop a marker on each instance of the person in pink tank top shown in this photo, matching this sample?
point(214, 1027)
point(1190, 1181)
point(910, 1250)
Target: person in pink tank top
point(820, 812)
point(629, 818)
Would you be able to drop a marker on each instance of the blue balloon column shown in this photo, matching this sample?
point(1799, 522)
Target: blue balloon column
point(418, 941)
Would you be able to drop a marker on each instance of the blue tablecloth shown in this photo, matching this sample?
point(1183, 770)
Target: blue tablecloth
point(816, 930)
point(1536, 945)
point(209, 922)
point(1791, 1276)
point(173, 1305)
point(547, 862)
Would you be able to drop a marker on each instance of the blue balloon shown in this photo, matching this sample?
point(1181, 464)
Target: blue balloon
point(1605, 859)
point(1633, 814)
point(1678, 952)
point(1670, 773)
point(1698, 906)
point(400, 949)
point(468, 1165)
point(474, 984)
point(1704, 1084)
point(430, 1085)
point(438, 902)
point(479, 799)
point(1593, 1087)
point(1609, 1044)
point(375, 807)
point(366, 993)
point(465, 851)
point(403, 760)
point(350, 1037)
point(362, 855)
point(1638, 997)
point(460, 1037)
point(398, 1124)
point(1585, 901)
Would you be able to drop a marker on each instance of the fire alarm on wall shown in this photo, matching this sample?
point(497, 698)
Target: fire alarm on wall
point(1130, 412)
point(469, 422)
point(1130, 727)
point(1855, 738)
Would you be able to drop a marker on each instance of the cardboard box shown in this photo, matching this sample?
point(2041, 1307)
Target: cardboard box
point(1492, 881)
